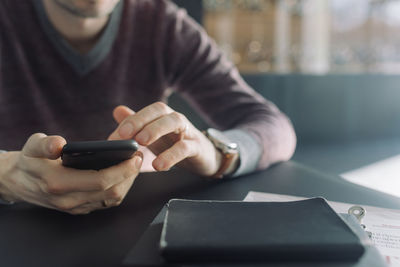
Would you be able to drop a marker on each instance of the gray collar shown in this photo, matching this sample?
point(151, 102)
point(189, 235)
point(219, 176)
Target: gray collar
point(82, 64)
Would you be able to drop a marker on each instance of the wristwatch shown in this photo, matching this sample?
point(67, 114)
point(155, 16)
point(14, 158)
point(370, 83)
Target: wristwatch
point(228, 149)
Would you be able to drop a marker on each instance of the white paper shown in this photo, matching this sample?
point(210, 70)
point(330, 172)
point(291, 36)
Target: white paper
point(384, 224)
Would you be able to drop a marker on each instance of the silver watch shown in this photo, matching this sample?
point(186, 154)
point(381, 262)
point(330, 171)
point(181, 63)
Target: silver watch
point(228, 149)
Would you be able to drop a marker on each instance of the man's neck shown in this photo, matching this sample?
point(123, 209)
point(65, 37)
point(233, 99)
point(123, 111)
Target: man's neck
point(80, 33)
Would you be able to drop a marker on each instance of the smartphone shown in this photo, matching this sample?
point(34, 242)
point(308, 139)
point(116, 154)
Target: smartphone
point(96, 155)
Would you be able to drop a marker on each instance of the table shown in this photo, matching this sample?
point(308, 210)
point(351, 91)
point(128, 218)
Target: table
point(34, 236)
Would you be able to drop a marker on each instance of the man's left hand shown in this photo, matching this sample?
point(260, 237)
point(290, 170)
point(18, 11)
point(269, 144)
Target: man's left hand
point(170, 136)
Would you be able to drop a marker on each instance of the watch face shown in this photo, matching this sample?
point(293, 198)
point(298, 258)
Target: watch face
point(233, 146)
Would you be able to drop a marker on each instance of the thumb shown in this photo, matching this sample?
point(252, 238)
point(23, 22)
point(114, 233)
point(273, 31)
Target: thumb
point(121, 112)
point(40, 145)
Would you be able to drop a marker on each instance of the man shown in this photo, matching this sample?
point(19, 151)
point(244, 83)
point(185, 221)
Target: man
point(68, 65)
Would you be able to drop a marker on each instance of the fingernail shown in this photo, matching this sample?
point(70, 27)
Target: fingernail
point(142, 137)
point(138, 162)
point(161, 166)
point(126, 130)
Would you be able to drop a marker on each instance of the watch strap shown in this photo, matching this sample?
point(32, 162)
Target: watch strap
point(226, 162)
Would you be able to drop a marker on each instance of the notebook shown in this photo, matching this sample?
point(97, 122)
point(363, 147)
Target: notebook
point(231, 231)
point(147, 252)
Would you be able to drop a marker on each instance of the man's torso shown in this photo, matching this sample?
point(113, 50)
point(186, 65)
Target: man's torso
point(41, 92)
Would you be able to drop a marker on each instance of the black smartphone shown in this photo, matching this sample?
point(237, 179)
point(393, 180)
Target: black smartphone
point(96, 155)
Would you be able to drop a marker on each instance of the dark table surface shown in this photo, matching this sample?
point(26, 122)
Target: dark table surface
point(34, 236)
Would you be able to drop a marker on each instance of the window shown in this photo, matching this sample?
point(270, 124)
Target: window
point(307, 36)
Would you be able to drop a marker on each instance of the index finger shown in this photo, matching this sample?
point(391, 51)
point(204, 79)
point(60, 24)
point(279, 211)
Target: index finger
point(136, 122)
point(121, 112)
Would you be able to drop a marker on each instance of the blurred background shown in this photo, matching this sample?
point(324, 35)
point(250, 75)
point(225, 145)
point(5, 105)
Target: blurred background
point(333, 66)
point(307, 36)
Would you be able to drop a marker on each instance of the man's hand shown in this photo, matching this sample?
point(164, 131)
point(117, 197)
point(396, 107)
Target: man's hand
point(36, 175)
point(170, 136)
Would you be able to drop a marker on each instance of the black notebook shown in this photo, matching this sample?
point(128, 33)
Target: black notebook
point(231, 231)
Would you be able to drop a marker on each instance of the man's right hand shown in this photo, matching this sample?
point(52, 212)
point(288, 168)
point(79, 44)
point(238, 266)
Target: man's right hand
point(36, 175)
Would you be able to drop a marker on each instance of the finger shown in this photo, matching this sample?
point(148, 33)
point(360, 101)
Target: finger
point(121, 112)
point(101, 200)
point(171, 123)
point(61, 203)
point(135, 123)
point(125, 170)
point(179, 151)
point(116, 194)
point(70, 201)
point(58, 180)
point(106, 178)
point(76, 202)
point(148, 157)
point(40, 145)
point(85, 209)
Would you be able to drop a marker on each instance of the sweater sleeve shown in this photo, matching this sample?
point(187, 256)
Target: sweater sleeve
point(198, 70)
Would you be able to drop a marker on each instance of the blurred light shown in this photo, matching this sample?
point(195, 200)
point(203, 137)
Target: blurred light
point(381, 176)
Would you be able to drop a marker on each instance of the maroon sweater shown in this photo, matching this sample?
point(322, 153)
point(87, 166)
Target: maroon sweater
point(158, 49)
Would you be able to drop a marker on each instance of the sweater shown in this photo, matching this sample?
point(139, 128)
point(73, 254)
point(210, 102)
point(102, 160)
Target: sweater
point(148, 50)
